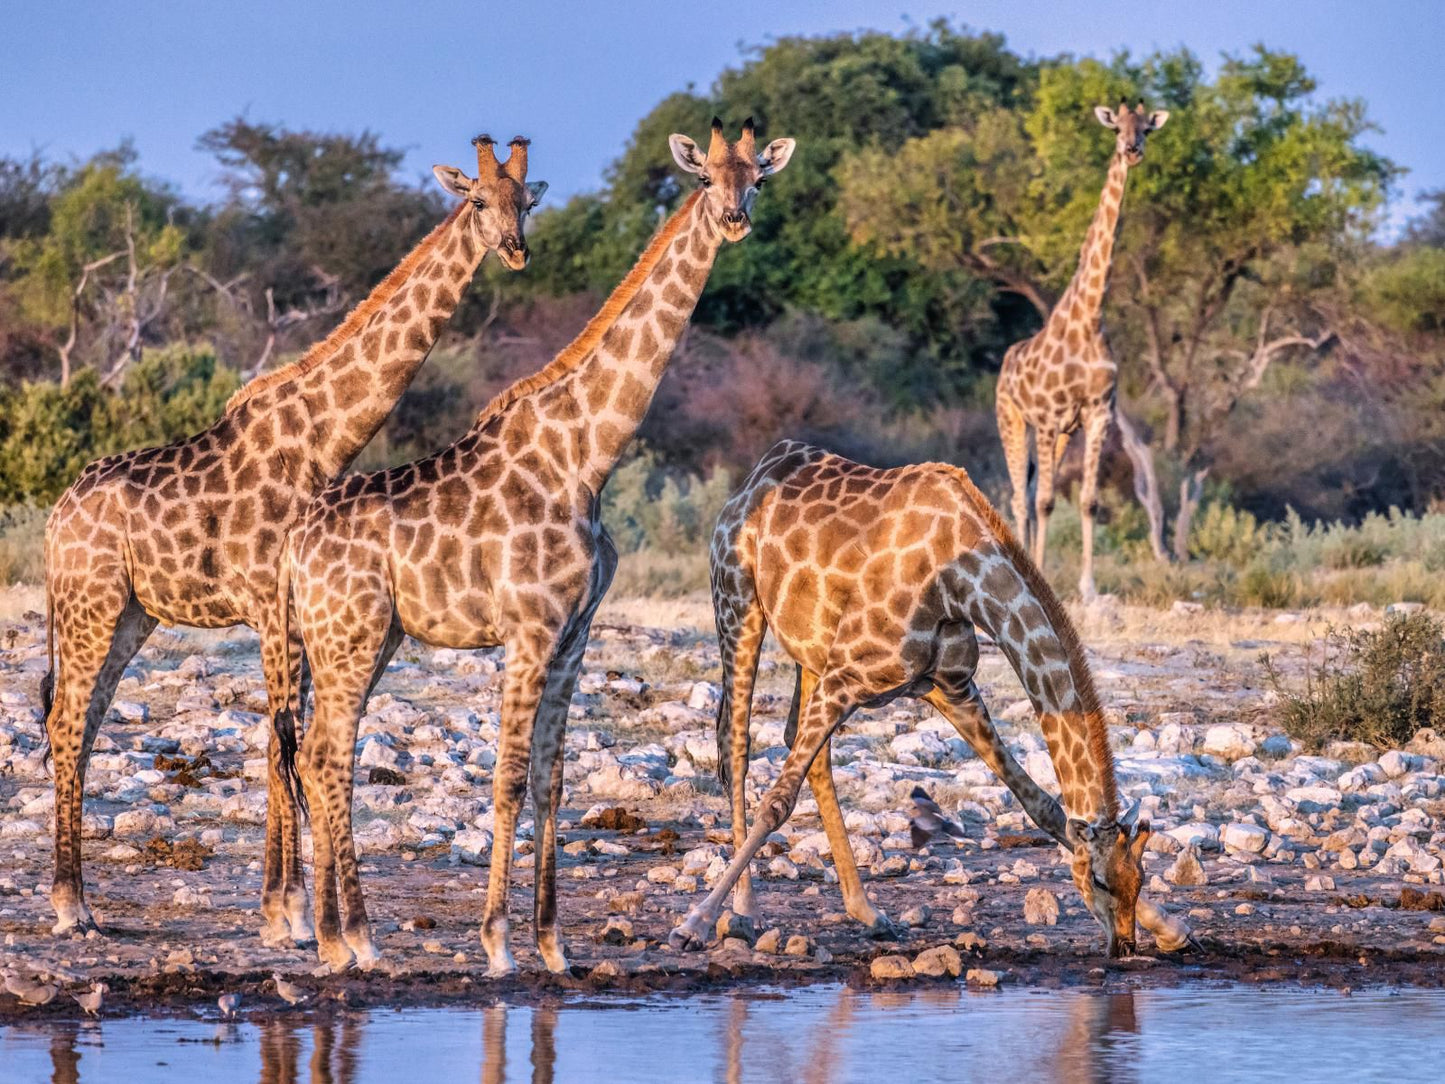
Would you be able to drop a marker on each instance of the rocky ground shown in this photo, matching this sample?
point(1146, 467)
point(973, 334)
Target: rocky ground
point(1289, 867)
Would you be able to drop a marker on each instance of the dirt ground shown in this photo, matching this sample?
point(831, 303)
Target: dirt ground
point(177, 887)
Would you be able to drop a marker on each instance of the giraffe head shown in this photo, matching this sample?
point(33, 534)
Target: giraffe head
point(731, 173)
point(1132, 125)
point(500, 197)
point(1108, 869)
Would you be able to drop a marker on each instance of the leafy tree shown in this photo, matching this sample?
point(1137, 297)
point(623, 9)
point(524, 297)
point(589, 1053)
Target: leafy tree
point(105, 262)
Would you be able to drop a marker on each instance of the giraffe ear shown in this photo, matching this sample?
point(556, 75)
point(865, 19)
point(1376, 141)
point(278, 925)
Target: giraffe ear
point(453, 180)
point(538, 189)
point(1078, 831)
point(776, 156)
point(1157, 119)
point(1106, 117)
point(685, 153)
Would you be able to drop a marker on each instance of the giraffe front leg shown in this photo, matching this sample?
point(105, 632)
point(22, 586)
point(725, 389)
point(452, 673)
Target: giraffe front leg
point(739, 647)
point(855, 896)
point(830, 703)
point(522, 692)
point(1049, 449)
point(1096, 428)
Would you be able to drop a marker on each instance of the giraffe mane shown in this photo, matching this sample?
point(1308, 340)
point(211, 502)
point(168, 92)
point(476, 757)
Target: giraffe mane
point(383, 292)
point(578, 349)
point(1068, 636)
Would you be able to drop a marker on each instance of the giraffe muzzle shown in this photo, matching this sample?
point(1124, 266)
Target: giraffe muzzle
point(736, 225)
point(513, 252)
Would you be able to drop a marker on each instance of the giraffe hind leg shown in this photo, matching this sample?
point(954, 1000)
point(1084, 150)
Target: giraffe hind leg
point(1014, 434)
point(92, 661)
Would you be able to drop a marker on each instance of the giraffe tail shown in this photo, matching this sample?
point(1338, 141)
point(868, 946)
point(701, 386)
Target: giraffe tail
point(47, 683)
point(283, 723)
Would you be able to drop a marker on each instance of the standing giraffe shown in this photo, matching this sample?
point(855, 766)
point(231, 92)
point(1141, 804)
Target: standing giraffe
point(191, 533)
point(497, 540)
point(1063, 378)
point(873, 581)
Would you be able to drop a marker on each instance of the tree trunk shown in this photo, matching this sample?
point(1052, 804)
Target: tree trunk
point(1191, 490)
point(1146, 481)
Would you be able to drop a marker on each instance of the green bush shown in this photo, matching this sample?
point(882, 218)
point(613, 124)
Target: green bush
point(22, 545)
point(48, 433)
point(1375, 686)
point(648, 507)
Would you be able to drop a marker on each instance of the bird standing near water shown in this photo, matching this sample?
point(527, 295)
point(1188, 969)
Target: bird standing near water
point(91, 1002)
point(289, 992)
point(229, 1004)
point(31, 993)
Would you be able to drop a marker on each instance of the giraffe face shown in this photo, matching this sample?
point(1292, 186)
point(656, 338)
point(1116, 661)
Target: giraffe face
point(1108, 868)
point(731, 173)
point(500, 198)
point(1132, 125)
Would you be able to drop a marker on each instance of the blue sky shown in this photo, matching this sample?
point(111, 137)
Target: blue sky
point(576, 76)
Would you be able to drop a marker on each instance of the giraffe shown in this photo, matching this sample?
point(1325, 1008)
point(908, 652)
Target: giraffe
point(497, 540)
point(1063, 378)
point(873, 581)
point(191, 533)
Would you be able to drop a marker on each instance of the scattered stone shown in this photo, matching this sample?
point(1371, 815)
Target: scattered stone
point(1249, 838)
point(939, 961)
point(613, 819)
point(891, 967)
point(982, 976)
point(769, 941)
point(1041, 907)
point(798, 945)
point(617, 931)
point(1320, 883)
point(1186, 870)
point(386, 777)
point(916, 917)
point(739, 926)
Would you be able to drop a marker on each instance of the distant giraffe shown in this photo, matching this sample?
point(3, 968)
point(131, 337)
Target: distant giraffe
point(192, 533)
point(1062, 378)
point(873, 581)
point(497, 540)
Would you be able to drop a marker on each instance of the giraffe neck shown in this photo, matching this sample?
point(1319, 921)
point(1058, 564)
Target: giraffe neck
point(1009, 599)
point(602, 385)
point(1084, 298)
point(351, 390)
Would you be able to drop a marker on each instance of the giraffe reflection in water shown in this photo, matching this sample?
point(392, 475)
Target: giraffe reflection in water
point(1083, 1038)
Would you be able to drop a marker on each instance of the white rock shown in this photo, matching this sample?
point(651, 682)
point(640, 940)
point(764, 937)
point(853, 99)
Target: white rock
point(1229, 740)
point(1249, 838)
point(704, 696)
point(473, 846)
point(1041, 907)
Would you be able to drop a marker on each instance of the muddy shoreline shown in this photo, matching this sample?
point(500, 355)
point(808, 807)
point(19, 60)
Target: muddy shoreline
point(1315, 871)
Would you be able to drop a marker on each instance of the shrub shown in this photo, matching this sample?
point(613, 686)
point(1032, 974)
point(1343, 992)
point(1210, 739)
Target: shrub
point(1376, 686)
point(1222, 532)
point(648, 507)
point(22, 545)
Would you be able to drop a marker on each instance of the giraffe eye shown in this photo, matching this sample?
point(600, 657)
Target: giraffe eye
point(705, 180)
point(478, 202)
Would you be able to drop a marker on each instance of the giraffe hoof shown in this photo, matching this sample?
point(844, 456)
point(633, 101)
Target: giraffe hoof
point(502, 968)
point(686, 939)
point(73, 919)
point(883, 928)
point(337, 956)
point(276, 935)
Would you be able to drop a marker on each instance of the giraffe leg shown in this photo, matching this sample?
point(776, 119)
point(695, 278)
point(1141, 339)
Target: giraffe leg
point(1096, 428)
point(285, 910)
point(92, 661)
point(1049, 450)
point(833, 700)
point(741, 628)
point(528, 663)
point(820, 780)
point(547, 750)
point(1014, 433)
point(346, 661)
point(356, 927)
point(969, 715)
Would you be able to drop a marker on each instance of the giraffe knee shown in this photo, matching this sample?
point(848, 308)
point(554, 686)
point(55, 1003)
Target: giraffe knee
point(1047, 507)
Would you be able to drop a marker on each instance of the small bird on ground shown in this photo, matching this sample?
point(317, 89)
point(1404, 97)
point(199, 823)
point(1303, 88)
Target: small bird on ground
point(31, 993)
point(288, 992)
point(229, 1003)
point(91, 1002)
point(929, 820)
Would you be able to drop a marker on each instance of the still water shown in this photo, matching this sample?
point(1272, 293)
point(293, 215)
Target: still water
point(821, 1034)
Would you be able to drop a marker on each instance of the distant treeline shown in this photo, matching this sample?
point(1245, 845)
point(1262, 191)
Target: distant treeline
point(1272, 352)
